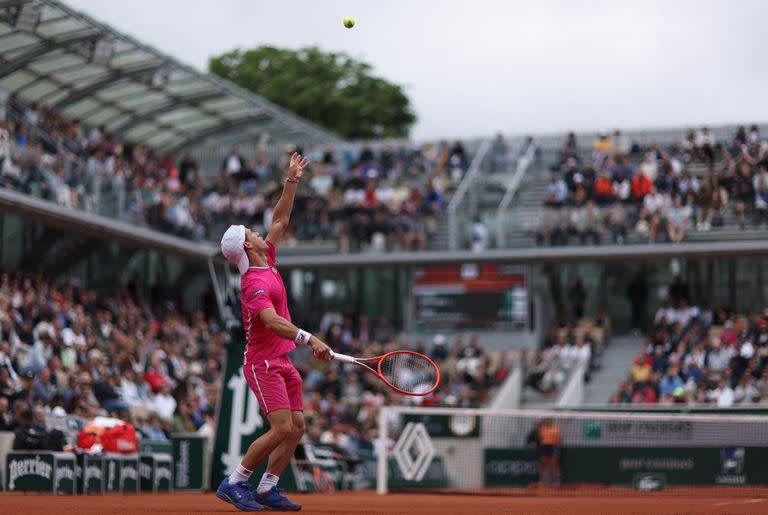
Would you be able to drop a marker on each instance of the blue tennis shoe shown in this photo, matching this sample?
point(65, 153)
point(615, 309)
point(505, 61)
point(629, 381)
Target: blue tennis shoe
point(275, 500)
point(239, 495)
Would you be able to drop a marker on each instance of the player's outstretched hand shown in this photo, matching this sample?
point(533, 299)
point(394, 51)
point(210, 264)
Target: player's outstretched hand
point(319, 349)
point(297, 166)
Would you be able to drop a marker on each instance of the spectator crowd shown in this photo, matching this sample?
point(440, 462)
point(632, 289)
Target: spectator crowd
point(66, 351)
point(702, 356)
point(658, 192)
point(361, 197)
point(566, 348)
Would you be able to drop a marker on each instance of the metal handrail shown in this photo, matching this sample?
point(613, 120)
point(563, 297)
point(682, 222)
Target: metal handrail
point(461, 191)
point(522, 166)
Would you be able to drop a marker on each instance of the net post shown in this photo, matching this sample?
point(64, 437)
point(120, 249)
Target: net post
point(381, 459)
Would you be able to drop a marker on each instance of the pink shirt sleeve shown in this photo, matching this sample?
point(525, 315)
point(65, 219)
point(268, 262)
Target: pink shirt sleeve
point(257, 298)
point(271, 254)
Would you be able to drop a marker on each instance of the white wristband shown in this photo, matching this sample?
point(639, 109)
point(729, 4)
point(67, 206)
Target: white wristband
point(302, 337)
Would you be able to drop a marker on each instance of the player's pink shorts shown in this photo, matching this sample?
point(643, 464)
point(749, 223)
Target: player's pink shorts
point(276, 383)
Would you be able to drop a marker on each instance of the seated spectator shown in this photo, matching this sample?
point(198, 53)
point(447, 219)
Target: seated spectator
point(153, 430)
point(705, 145)
point(43, 388)
point(641, 371)
point(722, 396)
point(670, 383)
point(641, 186)
point(557, 192)
point(602, 191)
point(587, 223)
point(618, 223)
point(649, 166)
point(650, 218)
point(554, 227)
point(705, 202)
point(743, 194)
point(676, 217)
point(478, 238)
point(718, 359)
point(760, 186)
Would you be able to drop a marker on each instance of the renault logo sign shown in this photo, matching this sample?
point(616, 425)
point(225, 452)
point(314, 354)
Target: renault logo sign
point(414, 451)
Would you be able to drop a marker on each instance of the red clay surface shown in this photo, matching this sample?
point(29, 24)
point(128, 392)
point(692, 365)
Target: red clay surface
point(368, 503)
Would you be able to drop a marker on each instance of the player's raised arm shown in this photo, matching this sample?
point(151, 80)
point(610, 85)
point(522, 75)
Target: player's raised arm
point(282, 215)
point(285, 329)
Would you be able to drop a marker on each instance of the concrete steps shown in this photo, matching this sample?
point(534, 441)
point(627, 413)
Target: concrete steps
point(617, 358)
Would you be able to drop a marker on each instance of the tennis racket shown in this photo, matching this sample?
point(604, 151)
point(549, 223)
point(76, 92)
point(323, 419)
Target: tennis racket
point(405, 371)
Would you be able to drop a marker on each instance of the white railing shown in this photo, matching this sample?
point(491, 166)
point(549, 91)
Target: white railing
point(522, 166)
point(461, 191)
point(573, 391)
point(511, 392)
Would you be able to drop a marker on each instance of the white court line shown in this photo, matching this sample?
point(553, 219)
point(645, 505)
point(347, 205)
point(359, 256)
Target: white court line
point(746, 501)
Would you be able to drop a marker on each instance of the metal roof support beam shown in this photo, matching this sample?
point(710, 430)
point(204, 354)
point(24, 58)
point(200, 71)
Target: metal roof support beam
point(49, 46)
point(175, 103)
point(217, 129)
point(123, 112)
point(52, 20)
point(257, 102)
point(12, 3)
point(118, 75)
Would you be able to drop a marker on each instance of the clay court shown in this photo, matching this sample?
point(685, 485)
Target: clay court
point(369, 503)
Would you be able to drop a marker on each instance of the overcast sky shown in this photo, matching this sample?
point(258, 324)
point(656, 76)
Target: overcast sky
point(472, 68)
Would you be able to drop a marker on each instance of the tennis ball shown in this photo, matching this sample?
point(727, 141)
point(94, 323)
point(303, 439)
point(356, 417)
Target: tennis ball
point(349, 22)
point(678, 392)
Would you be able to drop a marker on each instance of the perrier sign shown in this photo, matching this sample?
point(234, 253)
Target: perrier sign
point(40, 472)
point(239, 419)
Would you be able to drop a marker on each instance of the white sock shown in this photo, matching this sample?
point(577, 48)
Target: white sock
point(267, 482)
point(240, 474)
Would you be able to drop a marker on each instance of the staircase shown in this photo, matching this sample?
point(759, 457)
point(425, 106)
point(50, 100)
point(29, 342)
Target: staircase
point(617, 358)
point(485, 194)
point(526, 209)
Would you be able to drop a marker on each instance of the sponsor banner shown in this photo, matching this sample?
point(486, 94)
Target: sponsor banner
point(649, 482)
point(679, 466)
point(122, 473)
point(189, 458)
point(434, 476)
point(30, 472)
point(91, 474)
point(64, 475)
point(510, 467)
point(441, 426)
point(631, 432)
point(239, 420)
point(155, 472)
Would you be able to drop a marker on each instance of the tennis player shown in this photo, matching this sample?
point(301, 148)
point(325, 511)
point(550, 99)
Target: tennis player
point(270, 336)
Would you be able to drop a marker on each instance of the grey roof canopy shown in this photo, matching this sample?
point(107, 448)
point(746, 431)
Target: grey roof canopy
point(87, 70)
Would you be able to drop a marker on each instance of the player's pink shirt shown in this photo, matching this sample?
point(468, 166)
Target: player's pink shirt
point(263, 288)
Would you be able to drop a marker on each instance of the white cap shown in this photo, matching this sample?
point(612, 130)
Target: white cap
point(232, 247)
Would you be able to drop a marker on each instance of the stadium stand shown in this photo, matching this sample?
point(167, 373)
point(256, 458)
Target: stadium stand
point(72, 351)
point(121, 141)
point(363, 199)
point(700, 356)
point(625, 193)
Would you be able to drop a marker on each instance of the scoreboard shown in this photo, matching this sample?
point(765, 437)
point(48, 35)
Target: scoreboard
point(469, 296)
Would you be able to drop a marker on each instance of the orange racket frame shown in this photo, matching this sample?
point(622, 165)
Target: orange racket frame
point(343, 358)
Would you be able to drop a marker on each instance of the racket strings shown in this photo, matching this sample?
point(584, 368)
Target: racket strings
point(409, 372)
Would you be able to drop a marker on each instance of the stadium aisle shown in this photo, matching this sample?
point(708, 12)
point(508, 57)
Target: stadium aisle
point(616, 359)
